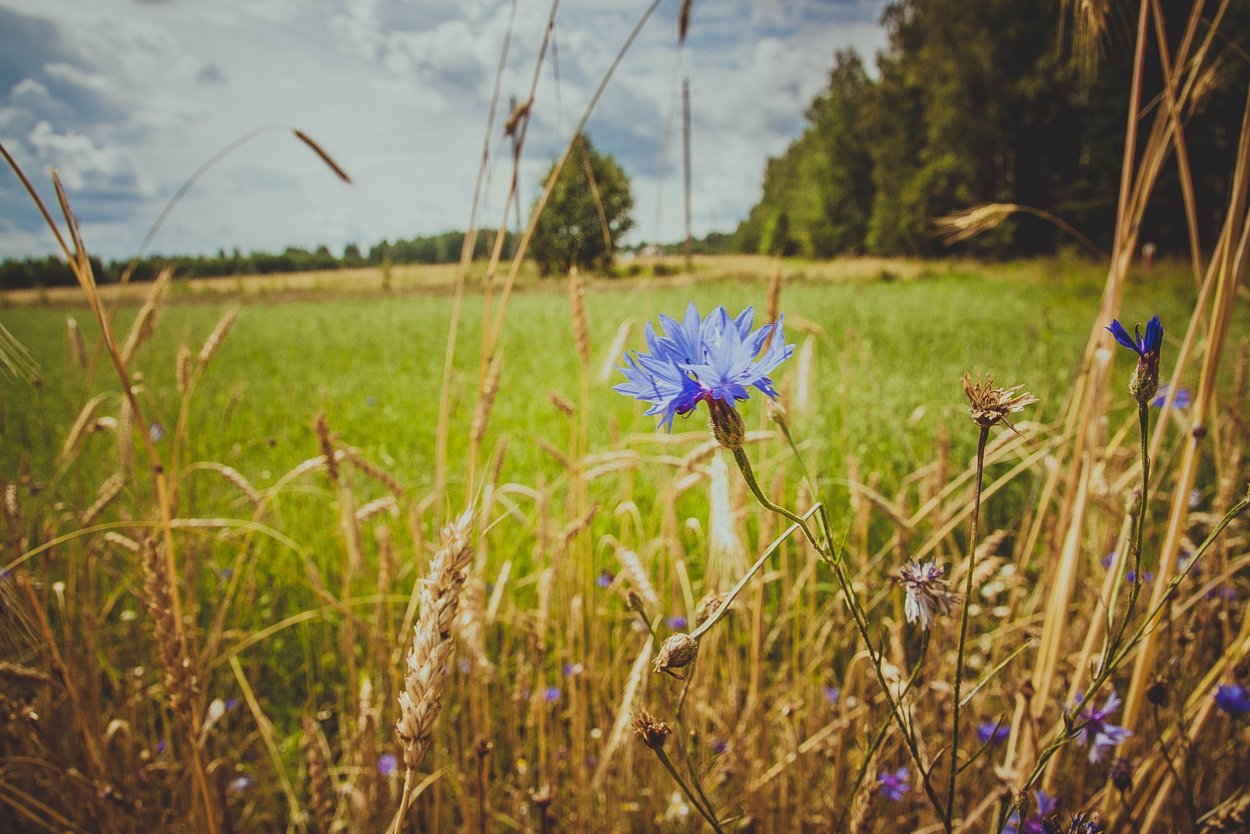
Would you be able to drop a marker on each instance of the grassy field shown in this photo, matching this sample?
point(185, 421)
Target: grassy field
point(299, 591)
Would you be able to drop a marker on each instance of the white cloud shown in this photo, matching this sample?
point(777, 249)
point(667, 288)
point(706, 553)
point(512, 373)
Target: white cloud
point(135, 96)
point(85, 166)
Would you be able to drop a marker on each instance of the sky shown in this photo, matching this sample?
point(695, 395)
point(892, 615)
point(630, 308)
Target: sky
point(126, 99)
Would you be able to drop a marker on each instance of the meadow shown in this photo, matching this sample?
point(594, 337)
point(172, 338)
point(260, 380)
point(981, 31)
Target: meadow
point(259, 691)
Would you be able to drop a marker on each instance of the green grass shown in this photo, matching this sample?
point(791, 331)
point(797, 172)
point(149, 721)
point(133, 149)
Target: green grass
point(889, 359)
point(890, 356)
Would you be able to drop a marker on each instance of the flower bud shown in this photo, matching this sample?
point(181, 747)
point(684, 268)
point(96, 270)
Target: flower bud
point(678, 651)
point(1144, 383)
point(727, 425)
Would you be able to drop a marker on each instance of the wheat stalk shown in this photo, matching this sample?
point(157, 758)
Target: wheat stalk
point(105, 495)
point(320, 785)
point(432, 647)
point(181, 682)
point(368, 467)
point(215, 338)
point(144, 324)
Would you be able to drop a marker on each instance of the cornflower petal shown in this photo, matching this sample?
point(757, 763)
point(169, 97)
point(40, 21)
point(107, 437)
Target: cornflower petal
point(1123, 337)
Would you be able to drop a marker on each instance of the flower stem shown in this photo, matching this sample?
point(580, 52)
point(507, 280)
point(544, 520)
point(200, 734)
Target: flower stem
point(744, 463)
point(685, 789)
point(825, 549)
point(963, 630)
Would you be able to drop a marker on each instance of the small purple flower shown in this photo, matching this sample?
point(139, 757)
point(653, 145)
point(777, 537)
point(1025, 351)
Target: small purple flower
point(387, 764)
point(232, 704)
point(676, 623)
point(719, 747)
point(1107, 560)
point(991, 732)
point(927, 594)
point(605, 578)
point(894, 785)
point(1181, 400)
point(572, 670)
point(1233, 699)
point(832, 695)
point(1131, 576)
point(552, 694)
point(161, 747)
point(1097, 733)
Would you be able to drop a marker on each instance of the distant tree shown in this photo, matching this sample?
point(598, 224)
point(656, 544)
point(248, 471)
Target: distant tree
point(588, 211)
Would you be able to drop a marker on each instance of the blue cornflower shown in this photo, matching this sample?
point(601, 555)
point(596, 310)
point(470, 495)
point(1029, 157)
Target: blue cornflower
point(832, 695)
point(605, 578)
point(1233, 699)
point(992, 732)
point(1145, 379)
point(894, 785)
point(388, 764)
point(1141, 346)
point(1097, 733)
point(676, 622)
point(552, 694)
point(1181, 400)
point(1033, 823)
point(703, 360)
point(719, 747)
point(1080, 824)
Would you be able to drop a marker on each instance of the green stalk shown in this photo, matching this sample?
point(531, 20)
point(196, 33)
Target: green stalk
point(685, 789)
point(857, 614)
point(963, 631)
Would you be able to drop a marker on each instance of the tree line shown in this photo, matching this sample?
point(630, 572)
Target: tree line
point(441, 248)
point(988, 101)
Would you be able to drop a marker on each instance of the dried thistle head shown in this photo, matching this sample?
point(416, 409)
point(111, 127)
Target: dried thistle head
point(708, 606)
point(678, 651)
point(989, 405)
point(652, 731)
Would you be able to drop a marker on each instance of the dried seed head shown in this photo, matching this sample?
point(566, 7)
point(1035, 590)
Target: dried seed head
point(1157, 692)
point(650, 729)
point(1122, 774)
point(326, 442)
point(561, 402)
point(678, 651)
point(989, 405)
point(708, 606)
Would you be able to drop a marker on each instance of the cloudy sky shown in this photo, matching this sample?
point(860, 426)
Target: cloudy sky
point(126, 98)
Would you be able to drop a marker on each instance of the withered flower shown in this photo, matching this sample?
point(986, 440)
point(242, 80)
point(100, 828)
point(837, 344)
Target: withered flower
point(650, 729)
point(989, 405)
